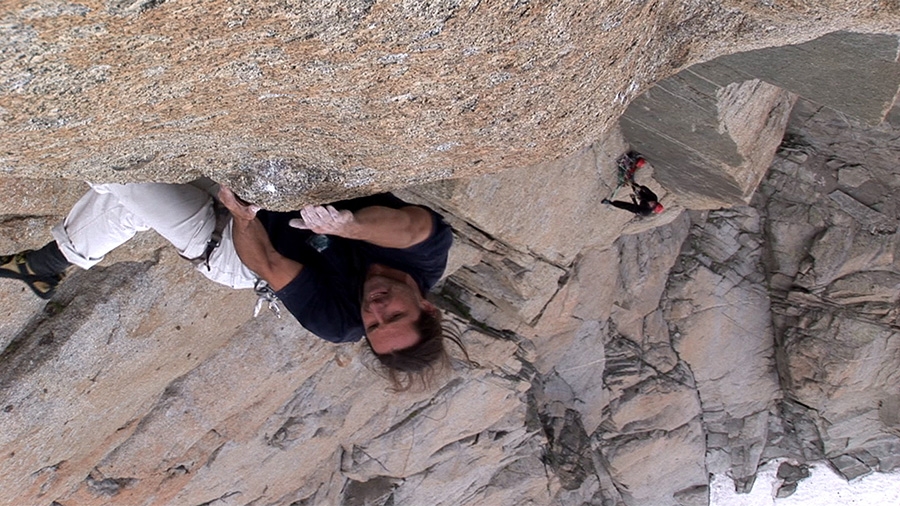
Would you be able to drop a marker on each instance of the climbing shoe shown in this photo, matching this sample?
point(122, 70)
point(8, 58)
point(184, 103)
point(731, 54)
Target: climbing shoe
point(17, 267)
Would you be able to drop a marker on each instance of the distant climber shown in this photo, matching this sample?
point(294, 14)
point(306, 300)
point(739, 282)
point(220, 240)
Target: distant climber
point(643, 201)
point(353, 269)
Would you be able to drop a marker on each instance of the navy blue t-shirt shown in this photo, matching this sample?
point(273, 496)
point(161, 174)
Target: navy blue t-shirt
point(325, 297)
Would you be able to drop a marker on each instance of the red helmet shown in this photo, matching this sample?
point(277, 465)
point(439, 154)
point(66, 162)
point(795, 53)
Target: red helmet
point(658, 208)
point(640, 162)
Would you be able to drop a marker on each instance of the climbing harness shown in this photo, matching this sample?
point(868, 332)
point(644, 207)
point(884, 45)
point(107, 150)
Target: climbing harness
point(265, 295)
point(222, 216)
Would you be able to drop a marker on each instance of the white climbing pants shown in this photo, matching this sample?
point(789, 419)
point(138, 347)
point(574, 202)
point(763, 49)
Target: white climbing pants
point(111, 214)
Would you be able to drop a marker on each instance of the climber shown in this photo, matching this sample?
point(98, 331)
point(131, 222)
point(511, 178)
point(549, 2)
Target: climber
point(353, 269)
point(643, 201)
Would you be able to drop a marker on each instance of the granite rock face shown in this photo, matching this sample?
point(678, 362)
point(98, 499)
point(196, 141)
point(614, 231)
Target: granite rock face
point(707, 128)
point(296, 103)
point(617, 360)
point(719, 309)
point(834, 300)
point(704, 137)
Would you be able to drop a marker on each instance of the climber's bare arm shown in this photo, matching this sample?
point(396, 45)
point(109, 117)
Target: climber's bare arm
point(253, 245)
